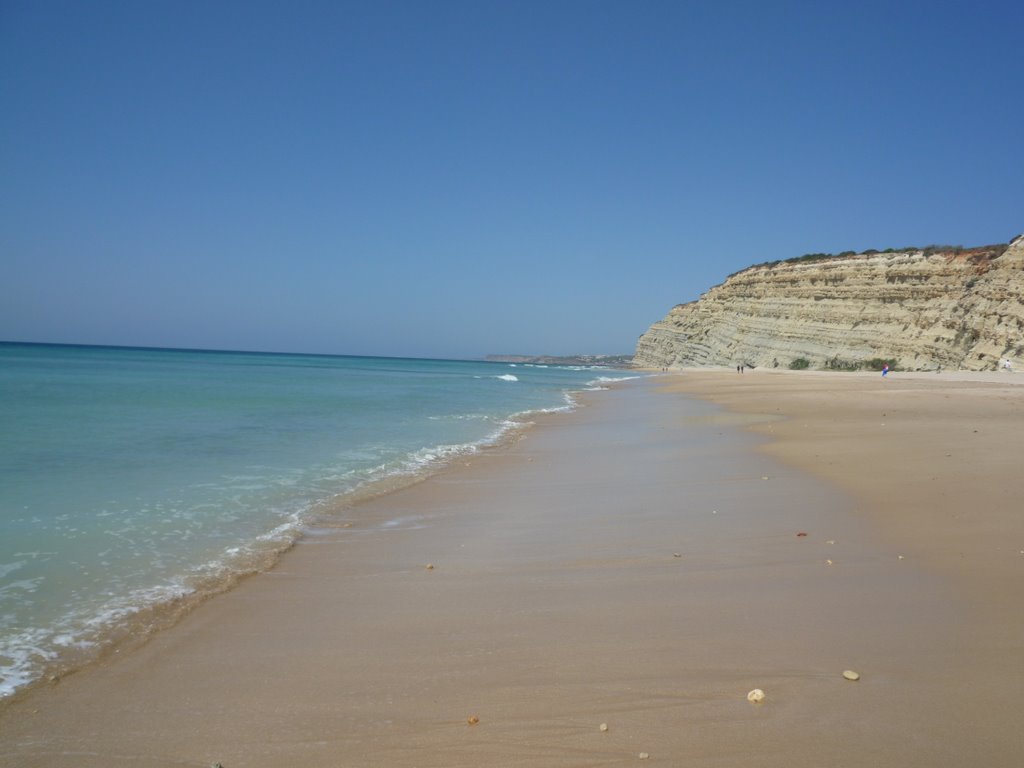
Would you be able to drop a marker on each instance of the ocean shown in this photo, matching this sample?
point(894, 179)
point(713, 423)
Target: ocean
point(136, 481)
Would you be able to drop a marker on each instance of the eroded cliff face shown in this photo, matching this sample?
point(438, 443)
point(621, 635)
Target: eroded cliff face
point(925, 311)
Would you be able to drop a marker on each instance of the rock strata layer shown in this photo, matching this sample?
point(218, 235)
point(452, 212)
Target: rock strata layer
point(922, 310)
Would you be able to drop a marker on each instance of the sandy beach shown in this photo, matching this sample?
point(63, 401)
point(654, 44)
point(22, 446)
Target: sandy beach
point(641, 563)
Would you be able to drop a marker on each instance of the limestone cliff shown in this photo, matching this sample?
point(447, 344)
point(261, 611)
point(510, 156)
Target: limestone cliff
point(922, 309)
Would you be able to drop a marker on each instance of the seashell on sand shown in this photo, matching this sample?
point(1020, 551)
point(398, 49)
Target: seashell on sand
point(849, 674)
point(643, 755)
point(756, 696)
point(472, 719)
point(603, 727)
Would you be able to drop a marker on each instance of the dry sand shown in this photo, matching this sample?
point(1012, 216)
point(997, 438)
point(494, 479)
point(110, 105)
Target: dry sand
point(635, 563)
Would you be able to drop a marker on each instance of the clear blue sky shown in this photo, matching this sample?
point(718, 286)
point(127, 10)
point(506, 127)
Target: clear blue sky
point(452, 179)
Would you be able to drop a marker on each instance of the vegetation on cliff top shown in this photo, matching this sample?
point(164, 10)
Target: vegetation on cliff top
point(980, 253)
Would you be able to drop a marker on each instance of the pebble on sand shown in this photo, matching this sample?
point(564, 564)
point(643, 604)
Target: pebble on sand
point(472, 719)
point(644, 755)
point(603, 727)
point(849, 674)
point(756, 696)
point(430, 566)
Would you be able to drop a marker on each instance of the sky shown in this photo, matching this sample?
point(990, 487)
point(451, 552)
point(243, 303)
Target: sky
point(454, 179)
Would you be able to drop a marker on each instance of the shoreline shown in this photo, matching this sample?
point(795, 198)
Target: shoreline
point(177, 597)
point(634, 562)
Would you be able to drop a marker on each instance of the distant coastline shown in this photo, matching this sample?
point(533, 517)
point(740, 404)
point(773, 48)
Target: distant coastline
point(608, 361)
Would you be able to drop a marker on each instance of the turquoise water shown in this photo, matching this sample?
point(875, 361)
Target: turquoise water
point(132, 479)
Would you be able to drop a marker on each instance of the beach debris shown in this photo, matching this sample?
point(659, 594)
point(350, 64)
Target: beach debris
point(430, 566)
point(676, 554)
point(831, 541)
point(472, 719)
point(764, 477)
point(644, 755)
point(603, 727)
point(714, 511)
point(756, 696)
point(849, 674)
point(901, 556)
point(828, 562)
point(216, 765)
point(801, 533)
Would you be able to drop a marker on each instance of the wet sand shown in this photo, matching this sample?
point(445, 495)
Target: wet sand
point(635, 563)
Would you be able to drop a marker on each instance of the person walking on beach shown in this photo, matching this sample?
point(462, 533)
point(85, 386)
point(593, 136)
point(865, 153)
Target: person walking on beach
point(885, 370)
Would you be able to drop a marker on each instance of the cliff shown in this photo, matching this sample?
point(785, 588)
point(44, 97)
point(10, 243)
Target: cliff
point(923, 310)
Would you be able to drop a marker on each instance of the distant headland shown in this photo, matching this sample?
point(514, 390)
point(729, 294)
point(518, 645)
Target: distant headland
point(607, 361)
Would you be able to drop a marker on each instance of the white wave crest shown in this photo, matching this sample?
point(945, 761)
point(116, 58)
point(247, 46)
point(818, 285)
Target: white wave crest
point(596, 383)
point(6, 568)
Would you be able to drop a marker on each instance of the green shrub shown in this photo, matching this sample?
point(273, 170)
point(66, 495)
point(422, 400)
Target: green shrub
point(835, 364)
point(800, 364)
